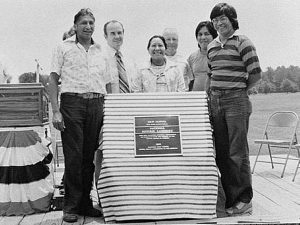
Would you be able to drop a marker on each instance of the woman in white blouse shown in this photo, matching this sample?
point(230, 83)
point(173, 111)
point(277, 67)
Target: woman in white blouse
point(158, 74)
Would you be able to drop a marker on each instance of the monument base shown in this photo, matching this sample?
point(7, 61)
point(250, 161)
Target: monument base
point(159, 187)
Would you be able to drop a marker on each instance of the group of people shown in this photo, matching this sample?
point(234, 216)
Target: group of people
point(225, 66)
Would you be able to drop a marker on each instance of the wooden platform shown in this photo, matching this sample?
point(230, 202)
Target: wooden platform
point(276, 201)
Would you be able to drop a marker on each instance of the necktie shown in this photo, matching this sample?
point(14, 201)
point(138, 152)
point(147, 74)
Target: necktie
point(123, 82)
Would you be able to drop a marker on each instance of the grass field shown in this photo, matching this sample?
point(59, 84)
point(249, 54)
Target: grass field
point(263, 106)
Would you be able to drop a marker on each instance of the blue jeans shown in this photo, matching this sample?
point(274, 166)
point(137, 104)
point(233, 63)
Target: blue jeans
point(83, 119)
point(230, 111)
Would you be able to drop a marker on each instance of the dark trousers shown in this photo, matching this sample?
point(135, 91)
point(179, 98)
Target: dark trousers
point(83, 119)
point(230, 112)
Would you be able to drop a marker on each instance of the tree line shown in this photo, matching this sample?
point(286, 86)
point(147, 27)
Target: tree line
point(277, 80)
point(281, 79)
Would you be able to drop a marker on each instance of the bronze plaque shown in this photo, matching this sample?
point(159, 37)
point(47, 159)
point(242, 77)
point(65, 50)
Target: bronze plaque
point(157, 136)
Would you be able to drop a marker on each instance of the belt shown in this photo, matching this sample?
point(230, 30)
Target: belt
point(228, 91)
point(88, 95)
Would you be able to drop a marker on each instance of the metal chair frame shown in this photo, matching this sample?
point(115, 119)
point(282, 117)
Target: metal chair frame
point(283, 120)
point(297, 146)
point(57, 145)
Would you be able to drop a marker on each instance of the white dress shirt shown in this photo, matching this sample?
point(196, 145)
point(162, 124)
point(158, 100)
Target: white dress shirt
point(130, 67)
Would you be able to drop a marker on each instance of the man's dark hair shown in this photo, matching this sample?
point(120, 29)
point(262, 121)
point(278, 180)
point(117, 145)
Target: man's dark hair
point(227, 10)
point(83, 12)
point(157, 36)
point(210, 28)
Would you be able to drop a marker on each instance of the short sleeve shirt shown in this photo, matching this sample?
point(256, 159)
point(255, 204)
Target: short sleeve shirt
point(80, 71)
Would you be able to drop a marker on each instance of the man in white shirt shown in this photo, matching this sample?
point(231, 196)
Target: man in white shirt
point(83, 71)
point(114, 35)
point(171, 37)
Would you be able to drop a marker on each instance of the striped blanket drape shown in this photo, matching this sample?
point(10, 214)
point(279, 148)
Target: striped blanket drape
point(161, 187)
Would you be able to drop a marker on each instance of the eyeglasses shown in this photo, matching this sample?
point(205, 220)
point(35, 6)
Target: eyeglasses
point(221, 19)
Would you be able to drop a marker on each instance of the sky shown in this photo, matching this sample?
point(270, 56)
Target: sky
point(30, 29)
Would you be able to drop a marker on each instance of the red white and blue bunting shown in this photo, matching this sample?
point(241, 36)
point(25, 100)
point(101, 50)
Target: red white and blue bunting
point(26, 185)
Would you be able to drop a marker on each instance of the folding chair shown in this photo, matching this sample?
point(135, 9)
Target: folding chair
point(280, 132)
point(298, 151)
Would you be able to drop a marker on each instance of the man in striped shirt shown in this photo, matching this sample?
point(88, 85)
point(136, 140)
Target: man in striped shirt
point(233, 69)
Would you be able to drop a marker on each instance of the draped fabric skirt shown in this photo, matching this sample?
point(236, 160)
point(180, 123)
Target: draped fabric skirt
point(26, 184)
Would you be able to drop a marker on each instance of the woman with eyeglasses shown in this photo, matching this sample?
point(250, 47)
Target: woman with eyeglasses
point(197, 61)
point(159, 74)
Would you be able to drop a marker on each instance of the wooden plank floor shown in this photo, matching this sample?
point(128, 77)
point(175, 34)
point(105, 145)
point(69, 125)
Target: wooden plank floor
point(276, 201)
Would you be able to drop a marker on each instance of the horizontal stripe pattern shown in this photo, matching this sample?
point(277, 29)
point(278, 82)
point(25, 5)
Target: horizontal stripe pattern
point(21, 104)
point(229, 79)
point(23, 174)
point(231, 57)
point(18, 138)
point(157, 188)
point(231, 64)
point(26, 192)
point(26, 185)
point(23, 156)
